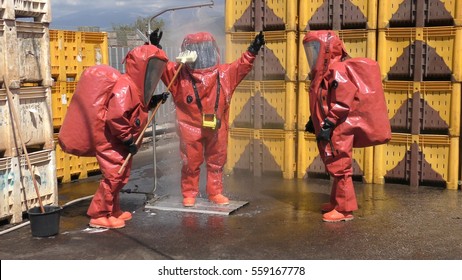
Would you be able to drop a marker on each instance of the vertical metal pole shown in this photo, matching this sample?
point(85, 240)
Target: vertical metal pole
point(154, 151)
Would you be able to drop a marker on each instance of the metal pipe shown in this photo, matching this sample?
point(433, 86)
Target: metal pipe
point(177, 8)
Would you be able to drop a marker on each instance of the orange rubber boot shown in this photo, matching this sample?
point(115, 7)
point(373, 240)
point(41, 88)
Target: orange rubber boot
point(107, 222)
point(219, 199)
point(336, 216)
point(123, 215)
point(189, 201)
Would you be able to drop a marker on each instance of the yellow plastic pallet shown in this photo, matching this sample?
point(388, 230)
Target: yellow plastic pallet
point(264, 104)
point(74, 51)
point(256, 15)
point(261, 151)
point(358, 43)
point(309, 161)
point(399, 49)
point(337, 14)
point(418, 160)
point(417, 13)
point(433, 107)
point(277, 59)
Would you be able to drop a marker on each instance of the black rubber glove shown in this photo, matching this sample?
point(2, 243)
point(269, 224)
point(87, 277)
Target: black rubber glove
point(155, 99)
point(257, 43)
point(132, 148)
point(309, 127)
point(155, 37)
point(326, 130)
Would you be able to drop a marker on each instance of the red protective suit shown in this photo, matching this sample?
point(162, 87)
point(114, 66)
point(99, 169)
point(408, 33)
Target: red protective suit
point(197, 141)
point(332, 95)
point(125, 118)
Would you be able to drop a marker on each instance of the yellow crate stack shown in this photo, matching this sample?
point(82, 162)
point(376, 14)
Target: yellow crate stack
point(400, 13)
point(337, 15)
point(71, 53)
point(419, 52)
point(262, 138)
point(264, 105)
point(25, 70)
point(256, 15)
point(74, 51)
point(261, 151)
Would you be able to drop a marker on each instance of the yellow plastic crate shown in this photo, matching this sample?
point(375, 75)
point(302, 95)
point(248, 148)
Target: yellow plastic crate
point(337, 15)
point(17, 190)
point(70, 167)
point(432, 107)
point(264, 104)
point(38, 10)
point(92, 165)
point(358, 43)
point(24, 47)
point(61, 95)
point(67, 166)
point(277, 59)
point(401, 13)
point(6, 122)
point(310, 162)
point(263, 151)
point(431, 160)
point(93, 49)
point(63, 53)
point(74, 51)
point(6, 187)
point(256, 15)
point(34, 115)
point(401, 53)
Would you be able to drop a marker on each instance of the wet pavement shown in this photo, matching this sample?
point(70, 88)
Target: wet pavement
point(281, 221)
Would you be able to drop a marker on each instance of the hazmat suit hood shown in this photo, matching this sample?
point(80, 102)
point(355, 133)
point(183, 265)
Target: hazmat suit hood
point(208, 55)
point(144, 66)
point(322, 48)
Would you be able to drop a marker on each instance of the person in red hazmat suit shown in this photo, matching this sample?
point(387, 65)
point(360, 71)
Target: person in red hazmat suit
point(202, 95)
point(127, 113)
point(331, 96)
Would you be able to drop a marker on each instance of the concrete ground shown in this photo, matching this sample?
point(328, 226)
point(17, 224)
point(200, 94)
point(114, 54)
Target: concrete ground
point(281, 222)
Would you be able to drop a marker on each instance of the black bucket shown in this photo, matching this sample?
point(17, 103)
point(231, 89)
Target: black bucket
point(44, 224)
